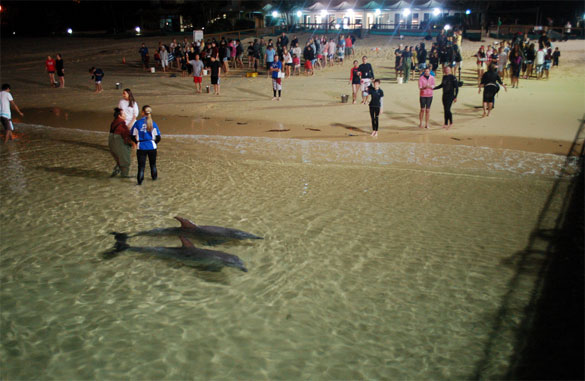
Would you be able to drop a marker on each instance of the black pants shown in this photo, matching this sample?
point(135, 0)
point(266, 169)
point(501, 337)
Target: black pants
point(141, 158)
point(447, 102)
point(374, 113)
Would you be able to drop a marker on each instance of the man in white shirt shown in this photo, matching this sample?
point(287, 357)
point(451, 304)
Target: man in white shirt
point(5, 116)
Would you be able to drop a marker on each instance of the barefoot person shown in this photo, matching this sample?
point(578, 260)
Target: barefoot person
point(275, 70)
point(146, 135)
point(450, 86)
point(376, 98)
point(426, 83)
point(60, 70)
point(97, 75)
point(120, 143)
point(197, 65)
point(50, 65)
point(354, 80)
point(366, 76)
point(6, 101)
point(215, 66)
point(489, 83)
point(129, 106)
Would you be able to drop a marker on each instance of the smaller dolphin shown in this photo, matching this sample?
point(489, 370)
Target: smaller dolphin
point(210, 235)
point(188, 254)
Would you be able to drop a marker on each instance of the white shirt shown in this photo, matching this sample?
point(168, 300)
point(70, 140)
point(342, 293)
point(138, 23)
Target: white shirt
point(5, 99)
point(540, 57)
point(130, 113)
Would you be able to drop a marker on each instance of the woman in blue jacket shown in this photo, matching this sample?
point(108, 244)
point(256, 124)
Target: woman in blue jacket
point(146, 135)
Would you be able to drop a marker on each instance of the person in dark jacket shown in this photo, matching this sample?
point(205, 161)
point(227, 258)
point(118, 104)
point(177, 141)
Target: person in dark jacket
point(450, 86)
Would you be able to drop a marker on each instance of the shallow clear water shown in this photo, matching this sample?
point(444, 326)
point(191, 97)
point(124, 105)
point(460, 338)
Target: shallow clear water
point(380, 261)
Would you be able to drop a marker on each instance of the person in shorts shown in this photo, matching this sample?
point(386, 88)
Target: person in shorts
point(60, 70)
point(6, 101)
point(426, 84)
point(50, 65)
point(275, 70)
point(215, 66)
point(97, 75)
point(197, 71)
point(366, 73)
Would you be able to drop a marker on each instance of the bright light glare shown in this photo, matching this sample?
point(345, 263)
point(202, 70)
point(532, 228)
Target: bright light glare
point(447, 27)
point(436, 12)
point(274, 14)
point(337, 26)
point(378, 12)
point(137, 29)
point(70, 31)
point(468, 12)
point(350, 12)
point(299, 13)
point(406, 12)
point(323, 12)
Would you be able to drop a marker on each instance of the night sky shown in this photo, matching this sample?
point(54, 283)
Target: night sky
point(47, 18)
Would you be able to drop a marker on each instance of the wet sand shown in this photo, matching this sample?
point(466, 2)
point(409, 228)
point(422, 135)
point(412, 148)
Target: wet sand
point(542, 116)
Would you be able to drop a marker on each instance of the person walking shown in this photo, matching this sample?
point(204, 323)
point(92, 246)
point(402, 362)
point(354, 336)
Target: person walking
point(146, 134)
point(376, 103)
point(120, 143)
point(489, 83)
point(450, 86)
point(6, 100)
point(426, 83)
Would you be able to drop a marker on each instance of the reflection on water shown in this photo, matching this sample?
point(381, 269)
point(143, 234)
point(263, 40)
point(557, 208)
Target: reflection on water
point(379, 261)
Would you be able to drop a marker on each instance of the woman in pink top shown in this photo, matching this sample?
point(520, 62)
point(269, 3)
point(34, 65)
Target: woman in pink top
point(426, 82)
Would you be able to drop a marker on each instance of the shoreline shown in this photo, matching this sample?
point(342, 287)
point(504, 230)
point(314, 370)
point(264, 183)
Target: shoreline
point(336, 132)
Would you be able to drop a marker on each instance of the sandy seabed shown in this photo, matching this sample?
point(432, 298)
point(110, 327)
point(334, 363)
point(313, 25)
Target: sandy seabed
point(540, 116)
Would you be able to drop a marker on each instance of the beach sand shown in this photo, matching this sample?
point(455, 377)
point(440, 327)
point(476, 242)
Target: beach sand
point(541, 116)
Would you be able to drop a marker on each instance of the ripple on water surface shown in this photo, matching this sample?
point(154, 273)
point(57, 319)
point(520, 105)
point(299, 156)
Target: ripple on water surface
point(384, 261)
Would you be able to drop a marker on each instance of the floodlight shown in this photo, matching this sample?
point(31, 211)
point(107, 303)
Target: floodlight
point(137, 29)
point(378, 12)
point(323, 12)
point(436, 11)
point(447, 27)
point(406, 12)
point(468, 12)
point(69, 31)
point(274, 14)
point(299, 13)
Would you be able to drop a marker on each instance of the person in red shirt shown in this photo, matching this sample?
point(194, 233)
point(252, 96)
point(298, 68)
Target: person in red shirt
point(50, 65)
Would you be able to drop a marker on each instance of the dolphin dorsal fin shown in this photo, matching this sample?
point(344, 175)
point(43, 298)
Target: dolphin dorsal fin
point(186, 242)
point(185, 223)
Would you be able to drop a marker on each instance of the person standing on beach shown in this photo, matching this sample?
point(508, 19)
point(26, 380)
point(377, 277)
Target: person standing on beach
point(515, 59)
point(215, 67)
point(556, 54)
point(60, 70)
point(120, 143)
point(146, 135)
point(398, 61)
point(6, 101)
point(97, 75)
point(426, 83)
point(275, 70)
point(376, 102)
point(144, 56)
point(366, 74)
point(450, 86)
point(129, 106)
point(269, 57)
point(309, 54)
point(197, 65)
point(406, 62)
point(50, 65)
point(354, 80)
point(489, 83)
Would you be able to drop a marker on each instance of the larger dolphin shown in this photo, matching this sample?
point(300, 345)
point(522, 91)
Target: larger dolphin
point(207, 234)
point(188, 254)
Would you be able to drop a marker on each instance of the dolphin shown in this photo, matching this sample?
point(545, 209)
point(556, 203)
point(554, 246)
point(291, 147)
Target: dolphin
point(188, 254)
point(211, 235)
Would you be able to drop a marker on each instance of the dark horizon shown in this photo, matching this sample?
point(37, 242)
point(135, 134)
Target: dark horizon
point(50, 18)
